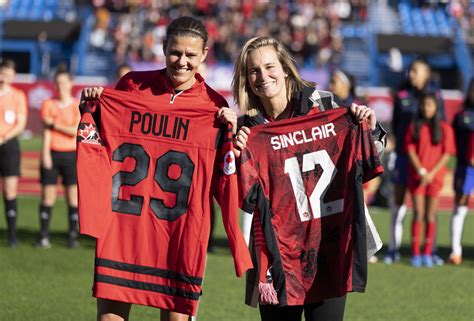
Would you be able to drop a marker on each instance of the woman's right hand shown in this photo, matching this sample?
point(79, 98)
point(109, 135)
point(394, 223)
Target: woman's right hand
point(240, 141)
point(90, 93)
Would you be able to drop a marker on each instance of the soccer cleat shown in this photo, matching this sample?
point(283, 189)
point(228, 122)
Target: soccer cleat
point(427, 261)
point(72, 241)
point(12, 242)
point(43, 243)
point(437, 260)
point(416, 261)
point(455, 259)
point(392, 257)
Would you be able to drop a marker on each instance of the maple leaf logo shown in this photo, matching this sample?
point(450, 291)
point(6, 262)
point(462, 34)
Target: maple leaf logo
point(229, 163)
point(87, 133)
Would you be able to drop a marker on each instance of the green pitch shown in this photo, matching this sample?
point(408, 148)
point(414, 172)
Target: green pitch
point(55, 284)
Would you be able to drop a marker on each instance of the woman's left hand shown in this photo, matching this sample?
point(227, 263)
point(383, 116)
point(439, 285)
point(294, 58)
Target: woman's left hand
point(362, 112)
point(227, 115)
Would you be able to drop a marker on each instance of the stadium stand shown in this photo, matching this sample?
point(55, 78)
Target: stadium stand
point(94, 39)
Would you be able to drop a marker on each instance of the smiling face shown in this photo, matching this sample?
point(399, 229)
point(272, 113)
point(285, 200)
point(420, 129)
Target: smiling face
point(184, 54)
point(265, 74)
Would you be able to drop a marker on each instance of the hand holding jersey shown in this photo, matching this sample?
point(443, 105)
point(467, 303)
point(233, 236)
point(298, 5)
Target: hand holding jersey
point(161, 199)
point(289, 194)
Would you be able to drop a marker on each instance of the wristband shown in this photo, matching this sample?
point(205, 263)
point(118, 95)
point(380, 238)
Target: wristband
point(422, 171)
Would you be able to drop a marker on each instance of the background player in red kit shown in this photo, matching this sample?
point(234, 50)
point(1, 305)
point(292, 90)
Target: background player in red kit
point(13, 113)
point(185, 49)
point(405, 109)
point(268, 88)
point(60, 116)
point(430, 143)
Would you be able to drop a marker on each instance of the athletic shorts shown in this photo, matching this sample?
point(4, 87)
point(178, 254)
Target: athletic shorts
point(399, 174)
point(464, 180)
point(432, 189)
point(64, 164)
point(10, 158)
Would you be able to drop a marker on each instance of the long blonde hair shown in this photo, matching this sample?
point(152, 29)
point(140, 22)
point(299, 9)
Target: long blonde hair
point(248, 102)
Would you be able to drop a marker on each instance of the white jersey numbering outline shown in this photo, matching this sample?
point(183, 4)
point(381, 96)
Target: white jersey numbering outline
point(314, 205)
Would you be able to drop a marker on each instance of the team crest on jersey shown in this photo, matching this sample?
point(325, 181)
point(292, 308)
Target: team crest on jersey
point(87, 133)
point(229, 163)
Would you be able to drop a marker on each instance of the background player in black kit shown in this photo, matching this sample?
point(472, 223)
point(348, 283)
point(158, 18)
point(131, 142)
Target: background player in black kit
point(268, 88)
point(13, 113)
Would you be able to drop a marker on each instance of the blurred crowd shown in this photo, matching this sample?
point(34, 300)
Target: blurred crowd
point(463, 11)
point(134, 30)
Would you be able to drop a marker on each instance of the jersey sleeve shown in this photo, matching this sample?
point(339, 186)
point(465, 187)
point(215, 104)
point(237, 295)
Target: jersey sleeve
point(45, 110)
point(248, 182)
point(227, 196)
point(369, 157)
point(93, 175)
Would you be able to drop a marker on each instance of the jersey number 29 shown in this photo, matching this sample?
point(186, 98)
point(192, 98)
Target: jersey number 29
point(179, 186)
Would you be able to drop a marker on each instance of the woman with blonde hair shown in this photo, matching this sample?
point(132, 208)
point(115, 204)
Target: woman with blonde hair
point(267, 87)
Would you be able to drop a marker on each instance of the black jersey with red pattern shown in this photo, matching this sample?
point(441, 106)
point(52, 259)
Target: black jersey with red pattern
point(303, 178)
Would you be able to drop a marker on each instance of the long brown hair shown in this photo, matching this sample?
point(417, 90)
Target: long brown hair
point(248, 102)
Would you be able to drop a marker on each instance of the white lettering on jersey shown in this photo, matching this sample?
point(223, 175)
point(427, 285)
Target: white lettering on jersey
point(300, 136)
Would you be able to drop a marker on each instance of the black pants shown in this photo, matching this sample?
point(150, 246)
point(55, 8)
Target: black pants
point(327, 310)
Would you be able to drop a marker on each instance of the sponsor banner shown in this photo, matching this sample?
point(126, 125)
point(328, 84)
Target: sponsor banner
point(219, 77)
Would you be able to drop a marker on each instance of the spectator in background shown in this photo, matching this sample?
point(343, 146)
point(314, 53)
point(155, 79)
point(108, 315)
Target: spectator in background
point(463, 125)
point(60, 117)
point(308, 29)
point(406, 109)
point(429, 144)
point(343, 85)
point(13, 113)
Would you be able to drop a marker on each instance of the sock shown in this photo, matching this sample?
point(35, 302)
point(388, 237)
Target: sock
point(396, 233)
point(73, 221)
point(430, 235)
point(457, 224)
point(434, 247)
point(416, 237)
point(45, 217)
point(11, 214)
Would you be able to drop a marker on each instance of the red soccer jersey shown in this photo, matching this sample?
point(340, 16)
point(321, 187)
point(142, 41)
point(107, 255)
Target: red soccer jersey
point(429, 153)
point(146, 168)
point(303, 177)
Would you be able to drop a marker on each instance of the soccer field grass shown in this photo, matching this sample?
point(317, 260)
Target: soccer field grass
point(55, 284)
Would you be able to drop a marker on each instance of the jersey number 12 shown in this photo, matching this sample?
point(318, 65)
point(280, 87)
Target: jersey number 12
point(315, 203)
